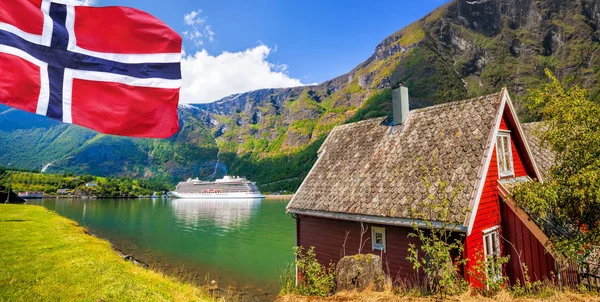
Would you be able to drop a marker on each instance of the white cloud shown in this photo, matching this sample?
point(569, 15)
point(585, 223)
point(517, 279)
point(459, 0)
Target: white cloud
point(77, 2)
point(208, 78)
point(198, 30)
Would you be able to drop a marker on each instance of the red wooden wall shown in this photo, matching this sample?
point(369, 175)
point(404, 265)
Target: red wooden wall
point(518, 151)
point(488, 213)
point(523, 248)
point(487, 216)
point(327, 236)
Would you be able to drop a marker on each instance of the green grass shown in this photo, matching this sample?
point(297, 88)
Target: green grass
point(414, 34)
point(45, 257)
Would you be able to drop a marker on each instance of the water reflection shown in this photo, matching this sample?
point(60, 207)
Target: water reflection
point(224, 213)
point(239, 243)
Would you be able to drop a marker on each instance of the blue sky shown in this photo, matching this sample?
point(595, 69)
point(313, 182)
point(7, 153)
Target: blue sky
point(298, 41)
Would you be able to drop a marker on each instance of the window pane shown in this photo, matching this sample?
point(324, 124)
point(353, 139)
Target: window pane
point(485, 245)
point(509, 165)
point(500, 156)
point(506, 153)
point(495, 242)
point(378, 238)
point(491, 242)
point(499, 144)
point(505, 164)
point(506, 146)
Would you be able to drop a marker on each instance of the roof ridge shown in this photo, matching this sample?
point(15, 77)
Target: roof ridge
point(453, 103)
point(533, 123)
point(370, 120)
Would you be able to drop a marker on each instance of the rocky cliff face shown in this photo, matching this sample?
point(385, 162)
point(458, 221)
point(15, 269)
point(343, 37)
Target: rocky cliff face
point(464, 48)
point(509, 43)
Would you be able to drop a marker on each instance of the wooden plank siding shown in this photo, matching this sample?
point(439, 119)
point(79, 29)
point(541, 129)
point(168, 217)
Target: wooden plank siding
point(488, 212)
point(523, 248)
point(328, 235)
point(487, 216)
point(509, 122)
point(518, 150)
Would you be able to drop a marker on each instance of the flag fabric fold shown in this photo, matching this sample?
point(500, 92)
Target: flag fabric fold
point(116, 70)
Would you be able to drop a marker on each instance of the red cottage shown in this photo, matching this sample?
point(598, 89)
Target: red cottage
point(368, 180)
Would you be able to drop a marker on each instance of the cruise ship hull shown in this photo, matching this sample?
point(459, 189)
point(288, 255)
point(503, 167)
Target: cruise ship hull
point(225, 188)
point(217, 195)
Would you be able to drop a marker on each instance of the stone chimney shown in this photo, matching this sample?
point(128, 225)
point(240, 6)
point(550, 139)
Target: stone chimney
point(400, 105)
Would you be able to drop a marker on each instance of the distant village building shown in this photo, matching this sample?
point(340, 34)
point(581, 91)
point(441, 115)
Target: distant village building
point(370, 173)
point(91, 184)
point(63, 191)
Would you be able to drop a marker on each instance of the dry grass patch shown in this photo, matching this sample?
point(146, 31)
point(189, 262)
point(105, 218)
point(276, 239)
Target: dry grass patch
point(503, 296)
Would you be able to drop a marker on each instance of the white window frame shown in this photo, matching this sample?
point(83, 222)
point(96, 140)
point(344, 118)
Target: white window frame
point(489, 236)
point(504, 168)
point(376, 246)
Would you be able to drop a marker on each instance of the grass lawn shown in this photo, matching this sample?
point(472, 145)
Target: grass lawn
point(45, 257)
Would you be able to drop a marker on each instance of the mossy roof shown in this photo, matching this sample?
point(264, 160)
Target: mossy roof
point(375, 168)
point(542, 154)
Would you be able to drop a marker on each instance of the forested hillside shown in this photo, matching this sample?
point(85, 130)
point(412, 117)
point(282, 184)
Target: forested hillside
point(462, 49)
point(35, 142)
point(70, 184)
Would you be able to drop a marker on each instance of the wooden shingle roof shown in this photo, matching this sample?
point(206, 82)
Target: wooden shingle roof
point(374, 168)
point(542, 153)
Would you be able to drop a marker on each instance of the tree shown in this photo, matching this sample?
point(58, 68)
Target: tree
point(570, 194)
point(87, 178)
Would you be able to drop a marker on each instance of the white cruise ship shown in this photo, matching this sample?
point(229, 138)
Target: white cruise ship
point(227, 187)
point(31, 195)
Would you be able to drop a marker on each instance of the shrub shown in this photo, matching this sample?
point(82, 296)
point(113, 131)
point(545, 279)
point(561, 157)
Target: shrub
point(439, 253)
point(313, 278)
point(484, 270)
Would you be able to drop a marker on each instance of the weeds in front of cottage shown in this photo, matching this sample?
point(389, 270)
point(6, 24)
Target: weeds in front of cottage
point(306, 277)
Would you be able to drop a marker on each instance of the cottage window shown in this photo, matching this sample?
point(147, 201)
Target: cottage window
point(491, 251)
point(378, 238)
point(504, 154)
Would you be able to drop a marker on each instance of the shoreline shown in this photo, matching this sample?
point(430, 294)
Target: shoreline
point(82, 265)
point(289, 196)
point(218, 286)
point(279, 196)
point(218, 283)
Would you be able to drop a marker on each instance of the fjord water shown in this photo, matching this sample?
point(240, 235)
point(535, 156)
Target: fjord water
point(242, 244)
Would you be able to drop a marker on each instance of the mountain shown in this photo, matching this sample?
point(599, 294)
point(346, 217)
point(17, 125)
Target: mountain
point(36, 142)
point(462, 49)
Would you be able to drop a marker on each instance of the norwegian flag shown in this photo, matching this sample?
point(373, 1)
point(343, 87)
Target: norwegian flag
point(112, 69)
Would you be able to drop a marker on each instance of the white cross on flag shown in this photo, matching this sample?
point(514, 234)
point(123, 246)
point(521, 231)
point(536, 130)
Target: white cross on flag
point(112, 69)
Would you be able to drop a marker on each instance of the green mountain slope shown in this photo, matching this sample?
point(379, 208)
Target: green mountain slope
point(464, 48)
point(41, 142)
